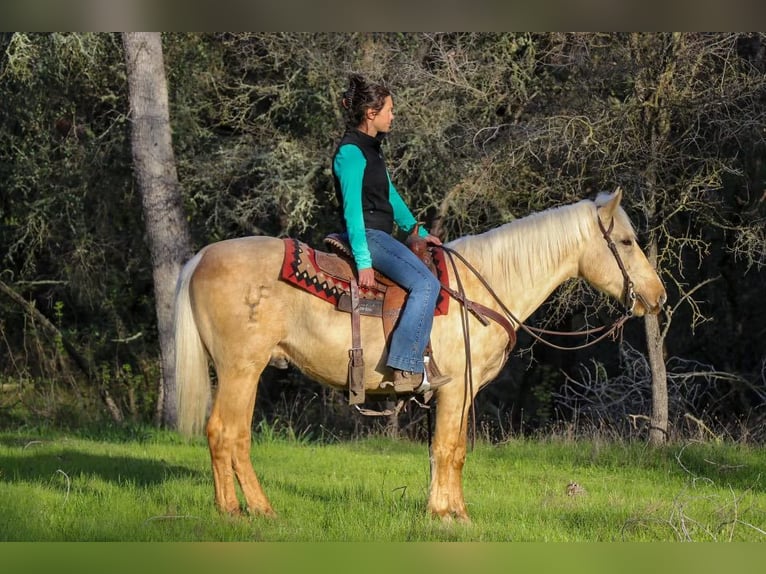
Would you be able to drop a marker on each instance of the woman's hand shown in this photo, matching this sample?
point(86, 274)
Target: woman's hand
point(433, 240)
point(367, 277)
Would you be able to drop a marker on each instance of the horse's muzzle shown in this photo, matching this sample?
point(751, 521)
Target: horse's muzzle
point(645, 307)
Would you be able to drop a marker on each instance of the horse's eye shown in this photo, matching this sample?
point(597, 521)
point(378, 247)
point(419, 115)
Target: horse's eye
point(627, 242)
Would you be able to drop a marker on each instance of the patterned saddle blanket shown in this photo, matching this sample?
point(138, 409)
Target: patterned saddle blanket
point(328, 276)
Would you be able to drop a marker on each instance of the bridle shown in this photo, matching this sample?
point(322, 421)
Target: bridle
point(628, 290)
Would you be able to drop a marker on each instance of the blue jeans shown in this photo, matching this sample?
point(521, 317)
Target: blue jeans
point(395, 260)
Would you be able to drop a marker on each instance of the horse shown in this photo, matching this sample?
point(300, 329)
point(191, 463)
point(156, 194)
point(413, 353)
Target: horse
point(232, 309)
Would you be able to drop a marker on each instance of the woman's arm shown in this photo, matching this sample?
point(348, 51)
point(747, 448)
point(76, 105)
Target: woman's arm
point(402, 214)
point(349, 166)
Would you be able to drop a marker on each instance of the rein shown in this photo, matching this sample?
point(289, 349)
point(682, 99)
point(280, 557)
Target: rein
point(628, 295)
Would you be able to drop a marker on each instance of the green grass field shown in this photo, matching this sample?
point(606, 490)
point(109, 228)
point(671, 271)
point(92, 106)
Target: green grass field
point(149, 485)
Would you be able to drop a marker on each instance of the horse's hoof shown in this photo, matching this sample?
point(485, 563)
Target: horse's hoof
point(267, 512)
point(447, 516)
point(233, 512)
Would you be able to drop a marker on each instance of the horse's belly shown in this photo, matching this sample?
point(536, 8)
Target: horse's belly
point(319, 339)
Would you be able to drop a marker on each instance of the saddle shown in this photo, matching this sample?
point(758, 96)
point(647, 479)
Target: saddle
point(386, 298)
point(331, 276)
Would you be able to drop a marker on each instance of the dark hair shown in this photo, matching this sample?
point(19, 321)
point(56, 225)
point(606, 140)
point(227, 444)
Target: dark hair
point(360, 97)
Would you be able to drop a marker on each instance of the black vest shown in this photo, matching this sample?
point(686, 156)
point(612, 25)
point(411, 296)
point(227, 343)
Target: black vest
point(376, 208)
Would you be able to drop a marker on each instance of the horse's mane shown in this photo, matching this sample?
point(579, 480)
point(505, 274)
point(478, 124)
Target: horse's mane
point(536, 243)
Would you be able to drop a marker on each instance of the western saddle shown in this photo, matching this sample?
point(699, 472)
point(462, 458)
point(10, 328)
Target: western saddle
point(387, 302)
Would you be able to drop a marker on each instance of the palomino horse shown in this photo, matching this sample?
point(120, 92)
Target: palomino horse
point(232, 309)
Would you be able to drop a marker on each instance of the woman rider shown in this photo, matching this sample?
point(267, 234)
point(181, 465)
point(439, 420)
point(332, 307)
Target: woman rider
point(370, 207)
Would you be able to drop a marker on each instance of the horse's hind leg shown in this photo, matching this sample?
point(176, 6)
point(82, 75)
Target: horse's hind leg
point(229, 437)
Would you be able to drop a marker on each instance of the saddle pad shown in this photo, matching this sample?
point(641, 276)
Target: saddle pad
point(300, 269)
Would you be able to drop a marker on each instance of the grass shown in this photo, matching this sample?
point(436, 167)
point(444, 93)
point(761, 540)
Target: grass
point(150, 485)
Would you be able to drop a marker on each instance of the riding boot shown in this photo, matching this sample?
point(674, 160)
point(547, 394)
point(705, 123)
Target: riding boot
point(406, 381)
point(410, 382)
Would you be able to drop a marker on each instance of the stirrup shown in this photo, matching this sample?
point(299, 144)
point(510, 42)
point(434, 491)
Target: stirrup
point(429, 385)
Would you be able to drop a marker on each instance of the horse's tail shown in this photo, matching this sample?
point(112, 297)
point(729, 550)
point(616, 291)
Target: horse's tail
point(191, 369)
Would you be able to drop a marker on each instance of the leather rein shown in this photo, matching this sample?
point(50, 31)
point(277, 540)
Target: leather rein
point(628, 301)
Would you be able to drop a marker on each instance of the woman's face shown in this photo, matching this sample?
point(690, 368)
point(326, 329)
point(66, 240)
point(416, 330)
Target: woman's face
point(381, 121)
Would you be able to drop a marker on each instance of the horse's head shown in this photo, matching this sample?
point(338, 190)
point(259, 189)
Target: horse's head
point(614, 263)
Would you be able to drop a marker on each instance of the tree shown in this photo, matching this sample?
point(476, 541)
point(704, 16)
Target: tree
point(698, 106)
point(155, 172)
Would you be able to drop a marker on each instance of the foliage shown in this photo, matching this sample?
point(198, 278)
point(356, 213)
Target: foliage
point(71, 229)
point(489, 127)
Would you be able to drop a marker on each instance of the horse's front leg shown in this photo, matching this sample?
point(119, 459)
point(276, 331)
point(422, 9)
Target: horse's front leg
point(448, 452)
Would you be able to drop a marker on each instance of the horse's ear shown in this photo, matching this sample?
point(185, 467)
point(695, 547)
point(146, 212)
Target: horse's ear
point(612, 202)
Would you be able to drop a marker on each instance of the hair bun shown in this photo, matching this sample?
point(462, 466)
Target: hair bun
point(359, 97)
point(356, 85)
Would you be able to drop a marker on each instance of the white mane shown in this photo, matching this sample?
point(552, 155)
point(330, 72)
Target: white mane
point(537, 243)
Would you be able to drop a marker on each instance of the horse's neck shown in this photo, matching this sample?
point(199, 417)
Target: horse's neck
point(526, 260)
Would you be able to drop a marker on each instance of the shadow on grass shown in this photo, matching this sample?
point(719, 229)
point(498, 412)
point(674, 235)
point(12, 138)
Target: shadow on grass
point(741, 469)
point(118, 469)
point(30, 465)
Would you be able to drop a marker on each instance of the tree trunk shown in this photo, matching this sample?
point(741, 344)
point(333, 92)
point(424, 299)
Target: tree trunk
point(155, 171)
point(654, 89)
point(658, 429)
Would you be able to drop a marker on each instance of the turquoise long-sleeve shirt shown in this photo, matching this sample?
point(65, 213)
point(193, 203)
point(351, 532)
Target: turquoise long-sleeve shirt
point(349, 166)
